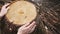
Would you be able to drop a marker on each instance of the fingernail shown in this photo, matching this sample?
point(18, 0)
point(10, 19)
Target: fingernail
point(33, 21)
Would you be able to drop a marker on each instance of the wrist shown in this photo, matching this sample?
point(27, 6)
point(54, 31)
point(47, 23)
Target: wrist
point(21, 33)
point(0, 15)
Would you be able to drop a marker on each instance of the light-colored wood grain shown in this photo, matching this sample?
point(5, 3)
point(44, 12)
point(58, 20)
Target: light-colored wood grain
point(21, 12)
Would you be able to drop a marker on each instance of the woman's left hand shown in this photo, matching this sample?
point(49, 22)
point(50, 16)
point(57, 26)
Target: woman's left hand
point(4, 10)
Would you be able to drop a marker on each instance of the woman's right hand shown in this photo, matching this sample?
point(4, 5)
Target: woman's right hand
point(27, 28)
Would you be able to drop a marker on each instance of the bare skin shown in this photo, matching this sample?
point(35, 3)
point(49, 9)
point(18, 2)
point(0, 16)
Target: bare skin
point(4, 10)
point(25, 29)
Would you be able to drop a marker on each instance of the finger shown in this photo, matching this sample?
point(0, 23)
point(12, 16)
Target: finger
point(26, 25)
point(6, 5)
point(7, 8)
point(31, 25)
point(33, 29)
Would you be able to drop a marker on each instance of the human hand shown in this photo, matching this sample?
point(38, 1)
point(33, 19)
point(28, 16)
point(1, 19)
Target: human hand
point(27, 28)
point(4, 10)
